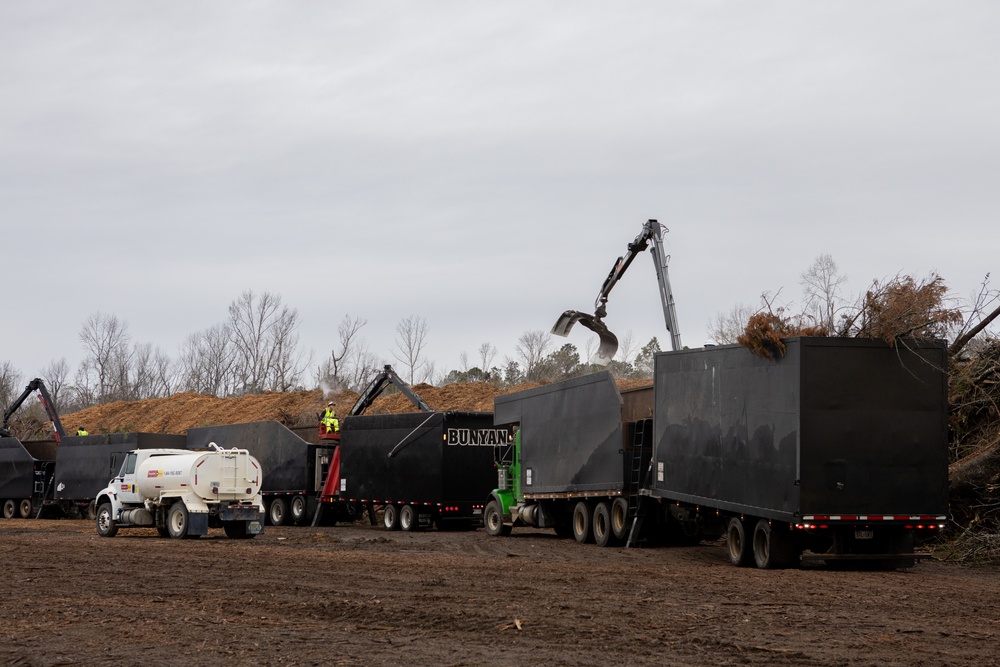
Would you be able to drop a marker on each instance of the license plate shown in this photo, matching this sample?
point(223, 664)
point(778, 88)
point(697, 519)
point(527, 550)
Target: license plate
point(477, 511)
point(864, 534)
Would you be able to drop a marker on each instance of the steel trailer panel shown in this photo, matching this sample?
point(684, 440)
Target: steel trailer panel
point(287, 460)
point(571, 435)
point(835, 427)
point(85, 464)
point(424, 457)
point(17, 469)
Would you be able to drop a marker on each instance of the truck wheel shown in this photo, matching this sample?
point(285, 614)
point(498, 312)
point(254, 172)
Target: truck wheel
point(9, 509)
point(619, 519)
point(390, 517)
point(771, 548)
point(25, 509)
point(106, 525)
point(162, 531)
point(737, 544)
point(297, 508)
point(91, 511)
point(602, 524)
point(177, 520)
point(493, 520)
point(408, 518)
point(277, 512)
point(581, 523)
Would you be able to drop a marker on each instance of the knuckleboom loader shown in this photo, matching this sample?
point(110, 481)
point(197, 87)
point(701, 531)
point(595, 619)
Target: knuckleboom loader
point(183, 493)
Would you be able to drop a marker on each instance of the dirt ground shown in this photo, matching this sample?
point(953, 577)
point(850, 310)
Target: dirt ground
point(357, 595)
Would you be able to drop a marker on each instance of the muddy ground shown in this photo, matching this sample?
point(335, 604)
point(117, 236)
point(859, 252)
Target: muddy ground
point(361, 596)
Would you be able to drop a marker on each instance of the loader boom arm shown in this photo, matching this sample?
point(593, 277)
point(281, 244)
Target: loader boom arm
point(652, 233)
point(47, 403)
point(378, 384)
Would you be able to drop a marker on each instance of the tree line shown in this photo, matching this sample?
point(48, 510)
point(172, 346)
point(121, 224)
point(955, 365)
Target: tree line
point(256, 348)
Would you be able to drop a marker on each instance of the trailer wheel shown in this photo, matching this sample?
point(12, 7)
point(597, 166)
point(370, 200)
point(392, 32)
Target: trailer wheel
point(582, 523)
point(277, 512)
point(297, 508)
point(493, 520)
point(771, 549)
point(25, 509)
point(390, 517)
point(9, 509)
point(408, 518)
point(603, 535)
point(106, 524)
point(737, 544)
point(619, 519)
point(177, 520)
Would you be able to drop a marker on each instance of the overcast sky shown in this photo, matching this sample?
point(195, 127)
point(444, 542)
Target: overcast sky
point(480, 165)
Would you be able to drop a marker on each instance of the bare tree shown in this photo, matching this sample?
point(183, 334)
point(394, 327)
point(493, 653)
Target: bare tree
point(821, 289)
point(206, 362)
point(55, 375)
point(411, 338)
point(338, 370)
point(530, 349)
point(364, 364)
point(148, 373)
point(10, 380)
point(487, 353)
point(725, 327)
point(265, 345)
point(626, 347)
point(106, 340)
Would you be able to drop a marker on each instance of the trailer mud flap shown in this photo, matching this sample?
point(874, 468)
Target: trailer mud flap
point(239, 513)
point(197, 524)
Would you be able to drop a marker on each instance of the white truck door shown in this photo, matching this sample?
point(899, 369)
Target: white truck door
point(128, 492)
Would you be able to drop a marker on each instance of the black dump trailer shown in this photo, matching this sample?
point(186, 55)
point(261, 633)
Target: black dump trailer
point(26, 474)
point(836, 450)
point(422, 468)
point(84, 464)
point(294, 469)
point(580, 454)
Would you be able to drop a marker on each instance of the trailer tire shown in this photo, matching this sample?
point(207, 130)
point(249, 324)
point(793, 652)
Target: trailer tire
point(603, 535)
point(582, 523)
point(390, 517)
point(772, 549)
point(738, 546)
point(408, 518)
point(24, 508)
point(493, 521)
point(619, 519)
point(177, 521)
point(297, 509)
point(277, 512)
point(9, 508)
point(106, 524)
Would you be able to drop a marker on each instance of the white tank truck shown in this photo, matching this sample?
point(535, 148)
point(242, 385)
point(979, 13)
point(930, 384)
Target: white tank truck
point(183, 493)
